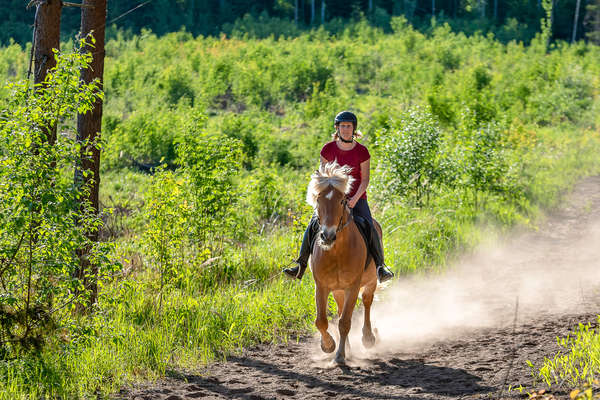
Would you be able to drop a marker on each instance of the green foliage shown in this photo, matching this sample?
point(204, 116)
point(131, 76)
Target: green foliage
point(44, 216)
point(166, 212)
point(577, 363)
point(410, 155)
point(209, 164)
point(145, 139)
point(546, 22)
point(486, 163)
point(261, 27)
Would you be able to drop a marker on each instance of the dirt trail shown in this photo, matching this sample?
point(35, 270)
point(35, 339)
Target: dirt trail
point(464, 334)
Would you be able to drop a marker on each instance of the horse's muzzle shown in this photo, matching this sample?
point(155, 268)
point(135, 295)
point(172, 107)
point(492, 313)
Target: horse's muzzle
point(327, 236)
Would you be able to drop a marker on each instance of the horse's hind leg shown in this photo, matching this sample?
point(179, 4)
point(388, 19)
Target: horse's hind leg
point(351, 294)
point(368, 338)
point(327, 342)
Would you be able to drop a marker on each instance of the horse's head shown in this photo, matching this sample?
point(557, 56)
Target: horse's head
point(327, 194)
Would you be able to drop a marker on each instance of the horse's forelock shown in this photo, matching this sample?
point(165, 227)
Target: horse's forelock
point(329, 174)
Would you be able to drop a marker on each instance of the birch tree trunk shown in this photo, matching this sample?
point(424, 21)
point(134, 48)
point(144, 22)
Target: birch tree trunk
point(296, 12)
point(89, 125)
point(576, 21)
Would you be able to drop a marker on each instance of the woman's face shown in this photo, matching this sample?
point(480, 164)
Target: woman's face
point(346, 129)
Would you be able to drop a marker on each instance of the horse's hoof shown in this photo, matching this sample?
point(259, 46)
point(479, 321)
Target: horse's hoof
point(339, 360)
point(327, 345)
point(368, 341)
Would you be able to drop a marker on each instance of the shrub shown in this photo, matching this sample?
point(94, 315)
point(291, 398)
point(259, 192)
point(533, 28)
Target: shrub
point(209, 164)
point(166, 211)
point(487, 164)
point(409, 153)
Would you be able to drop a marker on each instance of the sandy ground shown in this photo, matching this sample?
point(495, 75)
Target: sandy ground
point(463, 334)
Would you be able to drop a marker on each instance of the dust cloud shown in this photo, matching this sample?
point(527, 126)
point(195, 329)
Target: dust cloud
point(551, 272)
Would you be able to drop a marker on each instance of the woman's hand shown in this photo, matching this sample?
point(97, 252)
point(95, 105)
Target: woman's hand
point(352, 202)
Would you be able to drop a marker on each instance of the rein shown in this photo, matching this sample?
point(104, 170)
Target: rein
point(350, 218)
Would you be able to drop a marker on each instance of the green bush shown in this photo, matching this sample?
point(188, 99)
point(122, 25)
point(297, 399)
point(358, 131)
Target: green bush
point(209, 164)
point(487, 164)
point(409, 153)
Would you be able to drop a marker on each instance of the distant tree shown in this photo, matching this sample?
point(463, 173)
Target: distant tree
point(592, 21)
point(89, 125)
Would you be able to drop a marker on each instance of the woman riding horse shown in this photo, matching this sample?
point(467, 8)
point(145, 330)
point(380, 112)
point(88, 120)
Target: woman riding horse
point(347, 152)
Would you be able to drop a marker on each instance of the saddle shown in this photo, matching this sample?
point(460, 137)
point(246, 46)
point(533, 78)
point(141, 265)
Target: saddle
point(366, 231)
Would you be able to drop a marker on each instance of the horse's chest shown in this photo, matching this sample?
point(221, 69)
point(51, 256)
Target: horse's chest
point(336, 272)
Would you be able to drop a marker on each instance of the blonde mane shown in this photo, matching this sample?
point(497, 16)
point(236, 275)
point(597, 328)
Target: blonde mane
point(329, 174)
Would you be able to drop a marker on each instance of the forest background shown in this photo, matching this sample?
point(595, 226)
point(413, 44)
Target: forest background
point(208, 143)
point(507, 19)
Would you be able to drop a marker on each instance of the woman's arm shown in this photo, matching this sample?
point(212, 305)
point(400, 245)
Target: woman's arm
point(365, 170)
point(323, 161)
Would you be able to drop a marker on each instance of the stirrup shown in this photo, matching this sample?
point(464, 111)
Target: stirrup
point(384, 273)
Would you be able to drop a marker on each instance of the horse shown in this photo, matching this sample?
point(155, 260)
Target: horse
point(338, 259)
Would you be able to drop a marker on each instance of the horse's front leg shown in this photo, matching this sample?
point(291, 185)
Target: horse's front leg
point(368, 338)
point(327, 342)
point(351, 294)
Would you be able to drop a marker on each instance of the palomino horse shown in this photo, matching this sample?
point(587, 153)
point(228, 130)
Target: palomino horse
point(338, 260)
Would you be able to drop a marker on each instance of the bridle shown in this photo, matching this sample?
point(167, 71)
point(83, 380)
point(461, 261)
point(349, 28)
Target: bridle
point(339, 225)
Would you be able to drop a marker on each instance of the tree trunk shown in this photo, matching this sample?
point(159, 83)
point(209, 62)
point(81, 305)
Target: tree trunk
point(432, 8)
point(495, 10)
point(312, 12)
point(296, 12)
point(46, 37)
point(576, 21)
point(370, 6)
point(93, 20)
point(322, 12)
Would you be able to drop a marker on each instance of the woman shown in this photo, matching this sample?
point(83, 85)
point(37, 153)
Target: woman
point(346, 151)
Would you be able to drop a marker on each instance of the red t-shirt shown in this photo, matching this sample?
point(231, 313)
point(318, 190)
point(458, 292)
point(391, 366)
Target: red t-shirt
point(352, 158)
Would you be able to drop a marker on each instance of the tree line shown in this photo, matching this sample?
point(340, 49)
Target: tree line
point(571, 19)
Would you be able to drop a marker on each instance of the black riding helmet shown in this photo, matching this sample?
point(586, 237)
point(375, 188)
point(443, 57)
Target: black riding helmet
point(346, 116)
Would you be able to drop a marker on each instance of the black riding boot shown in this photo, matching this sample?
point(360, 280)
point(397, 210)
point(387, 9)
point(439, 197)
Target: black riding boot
point(383, 273)
point(305, 249)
